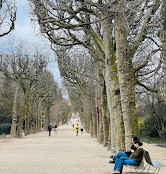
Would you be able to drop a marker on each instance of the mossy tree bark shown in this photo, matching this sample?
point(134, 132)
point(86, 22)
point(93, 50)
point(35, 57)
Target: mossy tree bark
point(14, 112)
point(100, 110)
point(106, 122)
point(94, 123)
point(19, 128)
point(126, 77)
point(163, 40)
point(113, 93)
point(39, 114)
point(27, 112)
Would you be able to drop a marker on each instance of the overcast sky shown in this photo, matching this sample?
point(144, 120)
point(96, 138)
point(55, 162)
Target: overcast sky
point(26, 32)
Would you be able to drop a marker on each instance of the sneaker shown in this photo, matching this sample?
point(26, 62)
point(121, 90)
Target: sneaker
point(111, 161)
point(116, 172)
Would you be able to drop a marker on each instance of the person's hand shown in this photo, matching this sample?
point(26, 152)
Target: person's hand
point(132, 150)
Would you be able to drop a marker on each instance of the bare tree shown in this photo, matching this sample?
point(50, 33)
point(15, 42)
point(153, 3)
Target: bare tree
point(113, 32)
point(78, 23)
point(24, 70)
point(130, 34)
point(8, 11)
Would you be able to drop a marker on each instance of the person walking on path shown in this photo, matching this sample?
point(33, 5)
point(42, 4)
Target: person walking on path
point(56, 129)
point(82, 129)
point(73, 125)
point(49, 129)
point(77, 129)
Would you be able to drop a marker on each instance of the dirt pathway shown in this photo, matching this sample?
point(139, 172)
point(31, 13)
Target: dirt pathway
point(62, 153)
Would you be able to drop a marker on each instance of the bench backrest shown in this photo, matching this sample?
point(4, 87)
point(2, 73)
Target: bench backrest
point(141, 165)
point(147, 158)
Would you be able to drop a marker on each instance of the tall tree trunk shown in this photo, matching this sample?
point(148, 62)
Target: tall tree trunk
point(86, 112)
point(109, 137)
point(47, 118)
point(33, 115)
point(39, 114)
point(94, 121)
point(100, 133)
point(105, 119)
point(126, 77)
point(14, 113)
point(91, 125)
point(112, 86)
point(163, 40)
point(27, 113)
point(100, 104)
point(19, 128)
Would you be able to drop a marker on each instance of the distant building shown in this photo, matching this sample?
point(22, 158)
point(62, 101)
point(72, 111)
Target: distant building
point(75, 117)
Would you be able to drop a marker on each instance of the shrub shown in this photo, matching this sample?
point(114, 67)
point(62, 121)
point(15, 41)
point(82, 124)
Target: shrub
point(5, 128)
point(149, 128)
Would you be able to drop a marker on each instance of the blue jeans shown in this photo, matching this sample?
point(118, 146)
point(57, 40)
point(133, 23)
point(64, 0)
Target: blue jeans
point(123, 161)
point(117, 156)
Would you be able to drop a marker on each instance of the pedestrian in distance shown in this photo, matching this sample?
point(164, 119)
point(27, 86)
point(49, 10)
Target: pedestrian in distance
point(73, 125)
point(77, 129)
point(56, 129)
point(82, 129)
point(49, 129)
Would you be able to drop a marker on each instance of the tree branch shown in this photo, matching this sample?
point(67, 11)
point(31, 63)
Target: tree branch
point(146, 87)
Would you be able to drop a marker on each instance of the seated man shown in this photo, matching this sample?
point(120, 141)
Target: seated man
point(124, 154)
point(134, 160)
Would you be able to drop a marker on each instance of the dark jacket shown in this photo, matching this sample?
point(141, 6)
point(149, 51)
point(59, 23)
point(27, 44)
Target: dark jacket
point(137, 155)
point(49, 128)
point(128, 153)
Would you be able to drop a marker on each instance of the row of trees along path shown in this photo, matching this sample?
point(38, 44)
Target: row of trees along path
point(62, 153)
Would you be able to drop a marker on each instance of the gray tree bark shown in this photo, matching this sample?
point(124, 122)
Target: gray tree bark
point(14, 113)
point(163, 40)
point(126, 77)
point(112, 86)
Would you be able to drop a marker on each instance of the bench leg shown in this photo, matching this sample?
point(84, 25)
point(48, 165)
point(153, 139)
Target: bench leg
point(156, 170)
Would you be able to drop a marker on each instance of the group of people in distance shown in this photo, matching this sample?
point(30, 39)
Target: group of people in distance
point(132, 157)
point(78, 128)
point(50, 128)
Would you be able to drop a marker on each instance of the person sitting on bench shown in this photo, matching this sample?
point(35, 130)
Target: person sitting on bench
point(124, 154)
point(134, 159)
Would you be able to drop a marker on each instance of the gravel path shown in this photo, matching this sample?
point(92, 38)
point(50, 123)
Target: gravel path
point(62, 153)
